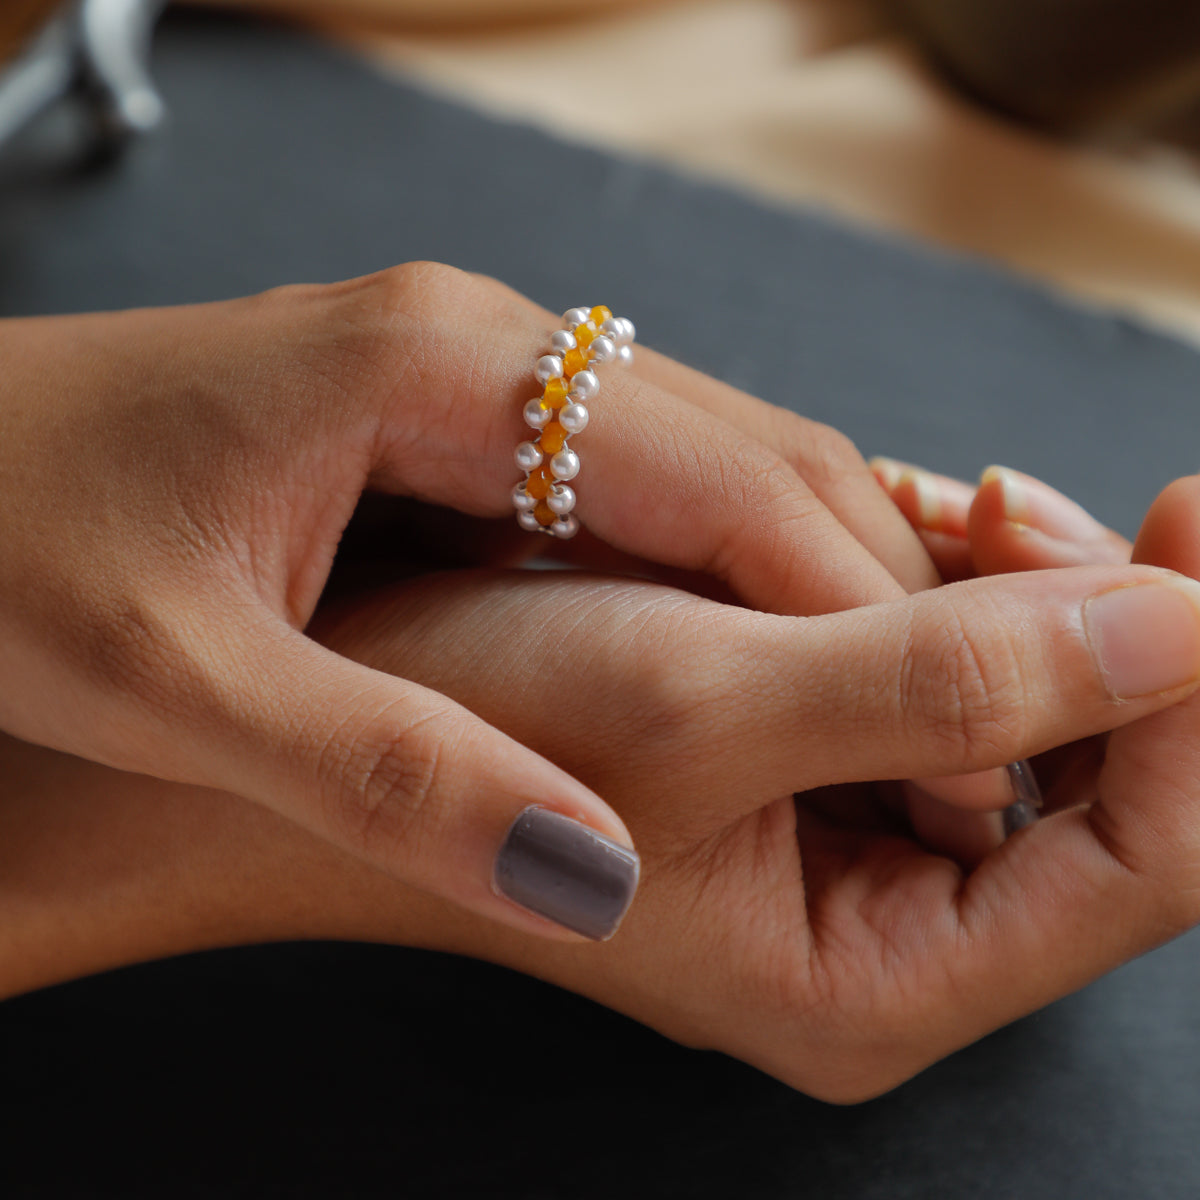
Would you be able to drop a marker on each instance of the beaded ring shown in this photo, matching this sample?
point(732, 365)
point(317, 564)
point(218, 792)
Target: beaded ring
point(589, 336)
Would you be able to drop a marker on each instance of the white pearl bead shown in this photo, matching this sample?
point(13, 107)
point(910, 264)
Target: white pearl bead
point(528, 456)
point(528, 521)
point(565, 527)
point(573, 418)
point(620, 329)
point(625, 356)
point(561, 499)
point(522, 500)
point(603, 349)
point(584, 385)
point(562, 340)
point(576, 316)
point(565, 464)
point(549, 367)
point(535, 415)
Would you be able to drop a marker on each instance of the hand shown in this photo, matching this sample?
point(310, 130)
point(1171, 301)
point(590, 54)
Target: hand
point(175, 484)
point(813, 937)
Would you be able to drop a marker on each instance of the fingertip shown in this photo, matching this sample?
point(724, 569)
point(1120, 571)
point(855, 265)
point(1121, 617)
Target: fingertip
point(929, 502)
point(1002, 488)
point(967, 836)
point(1170, 533)
point(980, 791)
point(567, 872)
point(887, 472)
point(1019, 523)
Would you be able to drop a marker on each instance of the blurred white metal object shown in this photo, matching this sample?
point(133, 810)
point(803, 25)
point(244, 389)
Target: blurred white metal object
point(95, 51)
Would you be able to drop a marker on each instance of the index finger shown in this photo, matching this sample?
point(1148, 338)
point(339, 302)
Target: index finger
point(660, 478)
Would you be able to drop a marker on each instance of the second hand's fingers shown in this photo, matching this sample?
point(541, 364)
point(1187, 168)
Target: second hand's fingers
point(1019, 523)
point(1092, 886)
point(963, 678)
point(1009, 522)
point(936, 507)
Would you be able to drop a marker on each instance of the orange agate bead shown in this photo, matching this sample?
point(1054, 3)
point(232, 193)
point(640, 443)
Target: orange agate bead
point(574, 361)
point(553, 438)
point(539, 483)
point(555, 395)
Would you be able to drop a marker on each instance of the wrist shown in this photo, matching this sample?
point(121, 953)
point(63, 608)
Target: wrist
point(100, 869)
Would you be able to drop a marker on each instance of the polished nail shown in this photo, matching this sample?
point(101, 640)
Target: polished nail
point(1023, 811)
point(567, 872)
point(1146, 638)
point(1026, 791)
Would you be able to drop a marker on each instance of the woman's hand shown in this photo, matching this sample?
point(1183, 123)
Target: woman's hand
point(813, 936)
point(175, 484)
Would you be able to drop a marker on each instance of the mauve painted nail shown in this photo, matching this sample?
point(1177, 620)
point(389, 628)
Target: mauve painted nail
point(1023, 812)
point(561, 869)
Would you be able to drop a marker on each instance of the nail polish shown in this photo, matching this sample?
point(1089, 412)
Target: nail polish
point(1023, 812)
point(565, 871)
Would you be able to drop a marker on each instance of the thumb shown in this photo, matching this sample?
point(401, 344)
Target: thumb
point(416, 785)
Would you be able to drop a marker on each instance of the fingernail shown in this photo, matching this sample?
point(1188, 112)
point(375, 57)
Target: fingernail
point(1146, 638)
point(1016, 505)
point(1026, 790)
point(929, 498)
point(1023, 812)
point(1028, 501)
point(1017, 817)
point(567, 872)
point(935, 503)
point(887, 471)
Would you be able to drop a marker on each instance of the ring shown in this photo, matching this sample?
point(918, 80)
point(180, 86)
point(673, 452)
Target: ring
point(543, 499)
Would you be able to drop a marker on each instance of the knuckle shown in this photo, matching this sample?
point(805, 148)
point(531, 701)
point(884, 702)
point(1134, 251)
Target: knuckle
point(416, 288)
point(963, 692)
point(824, 456)
point(788, 518)
point(388, 790)
point(129, 647)
point(764, 483)
point(373, 333)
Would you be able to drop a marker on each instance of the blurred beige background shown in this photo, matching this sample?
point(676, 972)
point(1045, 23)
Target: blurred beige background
point(806, 101)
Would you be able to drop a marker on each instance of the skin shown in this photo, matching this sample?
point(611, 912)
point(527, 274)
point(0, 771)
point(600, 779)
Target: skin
point(177, 482)
point(813, 937)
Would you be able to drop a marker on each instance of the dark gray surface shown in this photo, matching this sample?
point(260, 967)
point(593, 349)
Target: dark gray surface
point(354, 1071)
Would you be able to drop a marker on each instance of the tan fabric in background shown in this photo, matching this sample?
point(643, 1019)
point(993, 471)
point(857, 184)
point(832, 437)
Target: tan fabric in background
point(810, 101)
point(818, 101)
